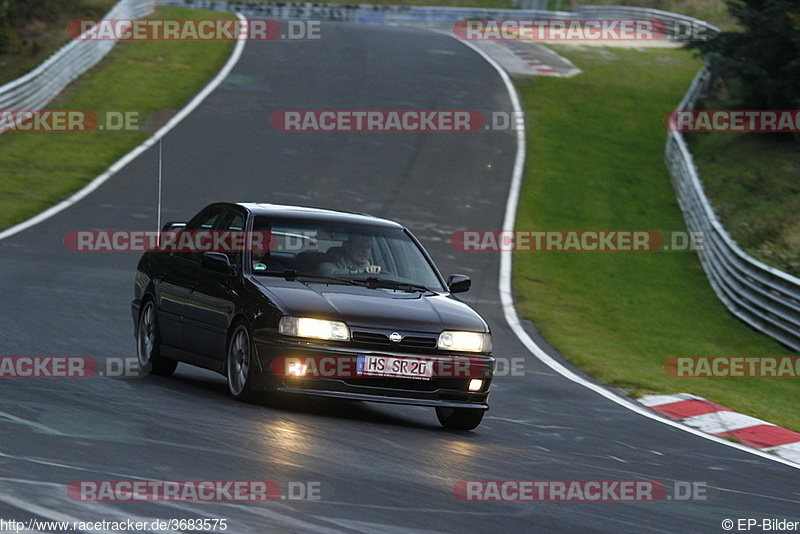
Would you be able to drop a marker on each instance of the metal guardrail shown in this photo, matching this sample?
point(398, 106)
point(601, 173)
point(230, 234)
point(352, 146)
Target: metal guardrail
point(360, 13)
point(674, 25)
point(39, 87)
point(764, 297)
point(530, 4)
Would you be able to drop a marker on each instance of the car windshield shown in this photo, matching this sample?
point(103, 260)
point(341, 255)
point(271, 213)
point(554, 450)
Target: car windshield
point(313, 250)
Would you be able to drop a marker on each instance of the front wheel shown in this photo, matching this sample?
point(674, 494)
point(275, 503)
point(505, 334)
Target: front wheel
point(239, 365)
point(459, 418)
point(148, 343)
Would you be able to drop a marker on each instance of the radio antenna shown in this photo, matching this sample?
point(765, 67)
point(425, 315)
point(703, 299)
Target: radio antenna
point(158, 221)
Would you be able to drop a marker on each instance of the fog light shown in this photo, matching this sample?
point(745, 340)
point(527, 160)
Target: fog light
point(475, 384)
point(297, 369)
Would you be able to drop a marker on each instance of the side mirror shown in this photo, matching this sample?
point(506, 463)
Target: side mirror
point(172, 225)
point(458, 283)
point(216, 261)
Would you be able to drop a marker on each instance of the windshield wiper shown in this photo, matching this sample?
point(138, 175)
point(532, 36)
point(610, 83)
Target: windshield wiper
point(371, 282)
point(292, 275)
point(374, 282)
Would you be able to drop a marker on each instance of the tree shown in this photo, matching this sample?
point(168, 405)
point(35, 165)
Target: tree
point(9, 42)
point(764, 59)
point(21, 20)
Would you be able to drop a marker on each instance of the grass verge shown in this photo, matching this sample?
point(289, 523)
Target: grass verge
point(41, 35)
point(752, 181)
point(595, 161)
point(489, 4)
point(41, 169)
point(713, 11)
point(40, 32)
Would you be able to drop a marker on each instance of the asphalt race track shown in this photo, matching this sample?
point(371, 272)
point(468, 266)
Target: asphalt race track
point(379, 468)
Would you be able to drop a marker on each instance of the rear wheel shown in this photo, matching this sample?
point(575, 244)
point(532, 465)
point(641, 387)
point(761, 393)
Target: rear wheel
point(148, 343)
point(239, 365)
point(459, 418)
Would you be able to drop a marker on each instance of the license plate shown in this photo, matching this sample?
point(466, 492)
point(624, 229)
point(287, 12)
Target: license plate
point(375, 365)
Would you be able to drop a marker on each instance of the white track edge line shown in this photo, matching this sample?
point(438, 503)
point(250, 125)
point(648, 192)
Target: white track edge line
point(130, 156)
point(507, 299)
point(136, 152)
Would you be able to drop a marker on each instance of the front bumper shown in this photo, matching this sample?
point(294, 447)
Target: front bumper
point(447, 388)
point(389, 399)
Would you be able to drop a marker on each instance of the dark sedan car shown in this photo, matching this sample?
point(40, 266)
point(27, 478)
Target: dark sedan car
point(312, 302)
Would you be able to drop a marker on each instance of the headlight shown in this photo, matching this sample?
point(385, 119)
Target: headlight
point(465, 341)
point(314, 328)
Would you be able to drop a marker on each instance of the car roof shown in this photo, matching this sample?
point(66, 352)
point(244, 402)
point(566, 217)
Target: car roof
point(306, 212)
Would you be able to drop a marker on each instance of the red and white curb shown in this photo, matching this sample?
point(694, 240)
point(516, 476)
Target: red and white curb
point(526, 54)
point(525, 58)
point(711, 418)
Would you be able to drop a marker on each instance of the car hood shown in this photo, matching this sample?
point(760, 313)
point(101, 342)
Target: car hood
point(376, 308)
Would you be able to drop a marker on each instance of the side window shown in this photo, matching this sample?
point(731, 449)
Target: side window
point(233, 220)
point(205, 220)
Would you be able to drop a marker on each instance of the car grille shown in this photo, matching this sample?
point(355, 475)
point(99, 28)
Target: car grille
point(381, 339)
point(370, 338)
point(419, 342)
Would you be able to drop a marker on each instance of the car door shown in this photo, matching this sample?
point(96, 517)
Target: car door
point(178, 278)
point(212, 300)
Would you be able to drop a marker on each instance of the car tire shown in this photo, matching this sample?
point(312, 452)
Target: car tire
point(239, 368)
point(148, 343)
point(459, 418)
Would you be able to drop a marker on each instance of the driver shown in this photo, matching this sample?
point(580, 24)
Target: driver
point(352, 259)
point(260, 253)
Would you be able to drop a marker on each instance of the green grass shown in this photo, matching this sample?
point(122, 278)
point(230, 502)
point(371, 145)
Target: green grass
point(493, 4)
point(36, 40)
point(752, 181)
point(153, 78)
point(595, 161)
point(713, 11)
